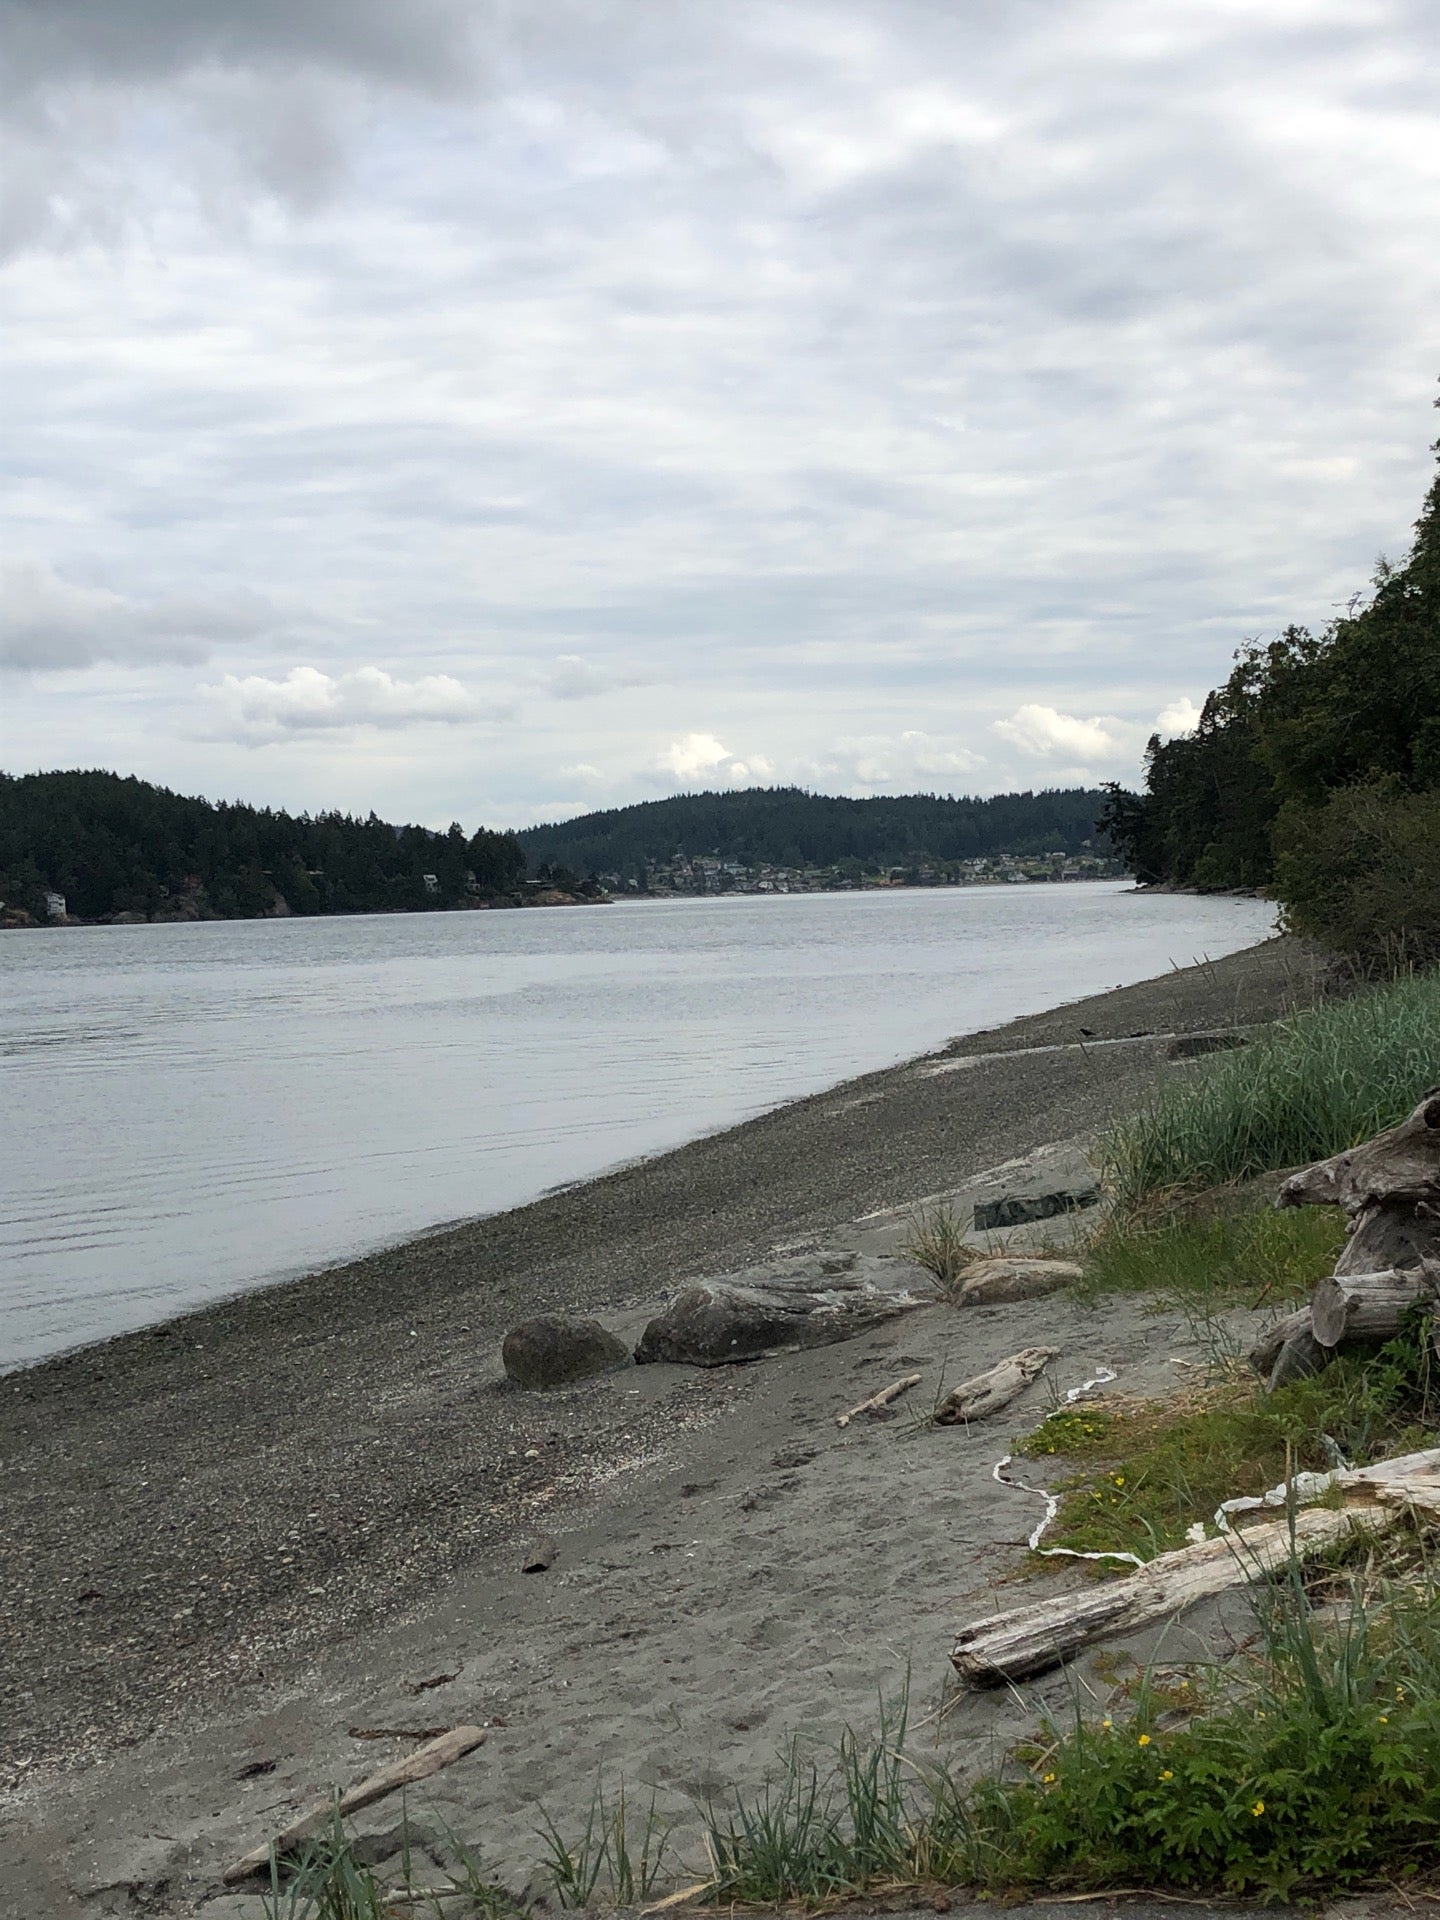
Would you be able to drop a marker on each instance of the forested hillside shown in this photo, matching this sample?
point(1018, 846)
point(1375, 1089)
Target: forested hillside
point(790, 828)
point(1314, 773)
point(122, 846)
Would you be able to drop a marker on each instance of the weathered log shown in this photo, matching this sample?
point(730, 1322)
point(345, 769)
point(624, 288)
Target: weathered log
point(419, 1765)
point(1301, 1355)
point(1031, 1639)
point(1400, 1167)
point(1266, 1350)
point(988, 1392)
point(1364, 1306)
point(880, 1399)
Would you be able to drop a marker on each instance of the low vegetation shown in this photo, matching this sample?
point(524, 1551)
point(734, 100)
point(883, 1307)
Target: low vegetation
point(1217, 1256)
point(1142, 1472)
point(1313, 1085)
point(937, 1243)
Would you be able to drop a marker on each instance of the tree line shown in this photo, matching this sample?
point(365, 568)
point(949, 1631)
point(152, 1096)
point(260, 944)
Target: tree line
point(1314, 773)
point(117, 845)
point(788, 827)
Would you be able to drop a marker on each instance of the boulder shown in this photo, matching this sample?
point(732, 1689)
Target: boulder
point(1018, 1209)
point(720, 1322)
point(555, 1348)
point(989, 1282)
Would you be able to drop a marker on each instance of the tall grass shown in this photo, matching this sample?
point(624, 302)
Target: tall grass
point(1315, 1084)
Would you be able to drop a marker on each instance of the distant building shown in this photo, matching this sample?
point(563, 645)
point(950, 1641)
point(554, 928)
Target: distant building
point(54, 906)
point(432, 882)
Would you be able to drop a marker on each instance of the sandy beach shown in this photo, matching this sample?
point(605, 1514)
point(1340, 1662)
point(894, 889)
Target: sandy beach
point(243, 1540)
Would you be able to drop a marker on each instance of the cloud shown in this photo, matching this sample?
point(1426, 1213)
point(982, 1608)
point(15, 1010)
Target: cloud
point(1041, 731)
point(868, 371)
point(1181, 716)
point(572, 677)
point(308, 701)
point(52, 625)
point(699, 758)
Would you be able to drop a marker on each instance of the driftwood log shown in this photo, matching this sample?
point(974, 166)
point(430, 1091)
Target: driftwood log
point(1390, 1190)
point(419, 1765)
point(1031, 1639)
point(879, 1401)
point(988, 1392)
point(1365, 1306)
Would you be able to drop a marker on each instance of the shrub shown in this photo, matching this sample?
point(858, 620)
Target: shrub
point(1361, 874)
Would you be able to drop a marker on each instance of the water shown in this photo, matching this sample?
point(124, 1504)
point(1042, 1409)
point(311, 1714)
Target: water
point(191, 1110)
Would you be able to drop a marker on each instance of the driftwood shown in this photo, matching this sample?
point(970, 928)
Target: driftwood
point(1390, 1189)
point(1026, 1640)
point(1031, 1639)
point(1266, 1350)
point(880, 1399)
point(1365, 1306)
point(419, 1765)
point(988, 1392)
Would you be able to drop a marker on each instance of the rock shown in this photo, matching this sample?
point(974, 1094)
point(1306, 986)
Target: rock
point(556, 1348)
point(988, 1282)
point(1190, 1046)
point(1017, 1210)
point(539, 1555)
point(720, 1322)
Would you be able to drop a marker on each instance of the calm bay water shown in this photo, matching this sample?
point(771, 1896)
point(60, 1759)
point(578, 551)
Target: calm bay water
point(191, 1110)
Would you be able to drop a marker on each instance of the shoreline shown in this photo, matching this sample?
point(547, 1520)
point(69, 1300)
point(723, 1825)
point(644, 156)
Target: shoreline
point(248, 1530)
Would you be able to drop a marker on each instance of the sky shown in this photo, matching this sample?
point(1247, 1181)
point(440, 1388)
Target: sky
point(496, 409)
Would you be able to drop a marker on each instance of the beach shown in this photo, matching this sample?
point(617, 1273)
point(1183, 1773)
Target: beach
point(237, 1537)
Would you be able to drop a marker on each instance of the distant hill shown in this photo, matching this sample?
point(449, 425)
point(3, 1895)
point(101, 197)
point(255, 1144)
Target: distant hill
point(787, 827)
point(114, 846)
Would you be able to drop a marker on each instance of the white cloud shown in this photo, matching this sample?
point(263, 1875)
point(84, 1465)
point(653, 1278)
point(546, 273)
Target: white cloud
point(1044, 732)
point(1181, 716)
point(308, 701)
point(693, 756)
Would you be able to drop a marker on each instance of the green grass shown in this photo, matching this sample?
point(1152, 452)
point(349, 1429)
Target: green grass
point(1143, 1471)
point(616, 1857)
point(325, 1881)
point(1318, 1773)
point(1250, 1257)
point(937, 1243)
point(1311, 1086)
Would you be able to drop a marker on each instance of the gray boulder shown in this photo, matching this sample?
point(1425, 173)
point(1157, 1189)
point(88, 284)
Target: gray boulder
point(720, 1322)
point(555, 1348)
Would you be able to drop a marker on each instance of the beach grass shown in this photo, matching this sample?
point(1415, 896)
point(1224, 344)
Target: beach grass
point(1312, 1085)
point(1248, 1255)
point(937, 1243)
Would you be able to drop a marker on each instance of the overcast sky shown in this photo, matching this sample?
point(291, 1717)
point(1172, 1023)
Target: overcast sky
point(492, 409)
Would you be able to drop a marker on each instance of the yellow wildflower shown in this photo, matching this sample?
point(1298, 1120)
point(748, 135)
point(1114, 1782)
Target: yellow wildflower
point(1049, 1780)
point(1168, 1774)
point(1384, 1719)
point(1143, 1741)
point(1258, 1808)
